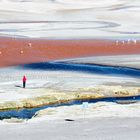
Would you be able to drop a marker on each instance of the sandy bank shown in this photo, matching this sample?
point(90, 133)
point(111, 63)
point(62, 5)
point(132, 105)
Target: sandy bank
point(54, 97)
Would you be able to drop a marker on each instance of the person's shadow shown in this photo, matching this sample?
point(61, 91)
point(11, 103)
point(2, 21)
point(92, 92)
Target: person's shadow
point(18, 86)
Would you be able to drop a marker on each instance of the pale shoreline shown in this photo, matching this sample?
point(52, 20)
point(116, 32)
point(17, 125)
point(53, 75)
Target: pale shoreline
point(50, 97)
point(80, 129)
point(126, 61)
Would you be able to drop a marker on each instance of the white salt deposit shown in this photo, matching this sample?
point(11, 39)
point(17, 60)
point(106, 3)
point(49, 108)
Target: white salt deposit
point(60, 18)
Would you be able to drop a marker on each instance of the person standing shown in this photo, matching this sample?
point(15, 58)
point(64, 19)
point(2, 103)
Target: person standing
point(24, 81)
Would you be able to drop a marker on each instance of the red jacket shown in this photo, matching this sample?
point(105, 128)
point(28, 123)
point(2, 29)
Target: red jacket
point(24, 79)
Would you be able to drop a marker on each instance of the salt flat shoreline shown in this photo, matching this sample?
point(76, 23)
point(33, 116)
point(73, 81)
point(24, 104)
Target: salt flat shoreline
point(126, 61)
point(50, 97)
point(102, 128)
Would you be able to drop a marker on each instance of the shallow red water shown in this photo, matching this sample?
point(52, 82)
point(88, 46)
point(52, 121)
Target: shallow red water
point(14, 51)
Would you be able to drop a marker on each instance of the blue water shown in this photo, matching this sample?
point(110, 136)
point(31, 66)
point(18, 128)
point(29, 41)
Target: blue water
point(29, 113)
point(87, 68)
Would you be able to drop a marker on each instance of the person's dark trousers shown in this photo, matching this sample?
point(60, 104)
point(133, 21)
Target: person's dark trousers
point(24, 84)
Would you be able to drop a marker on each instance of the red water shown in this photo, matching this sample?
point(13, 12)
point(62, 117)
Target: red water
point(14, 51)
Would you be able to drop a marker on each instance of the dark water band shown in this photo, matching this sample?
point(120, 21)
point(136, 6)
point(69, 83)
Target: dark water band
point(87, 68)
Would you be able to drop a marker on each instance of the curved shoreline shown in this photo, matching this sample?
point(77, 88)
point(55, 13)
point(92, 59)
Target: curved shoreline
point(60, 97)
point(28, 113)
point(29, 105)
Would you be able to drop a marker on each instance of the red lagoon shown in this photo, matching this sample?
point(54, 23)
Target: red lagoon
point(15, 51)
